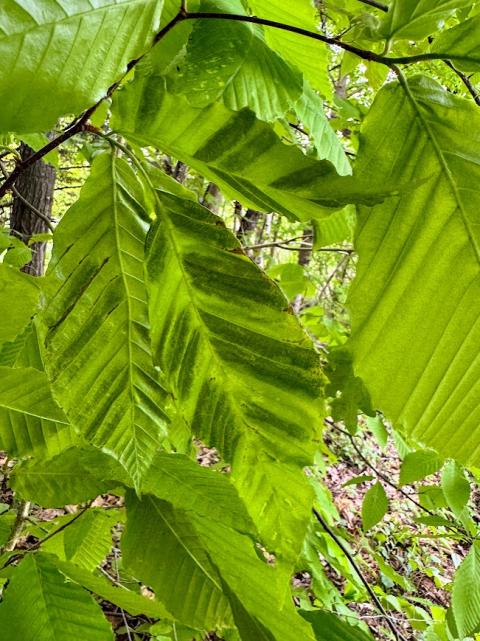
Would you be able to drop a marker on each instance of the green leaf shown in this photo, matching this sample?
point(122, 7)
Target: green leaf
point(310, 56)
point(10, 351)
point(419, 258)
point(34, 399)
point(357, 480)
point(455, 486)
point(374, 506)
point(6, 525)
point(334, 229)
point(310, 112)
point(231, 61)
point(247, 375)
point(190, 487)
point(18, 256)
point(73, 476)
point(460, 44)
point(95, 321)
point(217, 571)
point(29, 418)
point(88, 541)
point(241, 154)
point(129, 601)
point(38, 606)
point(61, 58)
point(419, 464)
point(436, 521)
point(24, 290)
point(376, 425)
point(466, 594)
point(432, 497)
point(417, 19)
point(161, 546)
point(328, 627)
point(347, 391)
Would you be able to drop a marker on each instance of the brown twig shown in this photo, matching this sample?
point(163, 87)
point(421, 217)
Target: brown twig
point(377, 5)
point(466, 81)
point(23, 510)
point(80, 124)
point(385, 478)
point(362, 578)
point(330, 40)
point(40, 542)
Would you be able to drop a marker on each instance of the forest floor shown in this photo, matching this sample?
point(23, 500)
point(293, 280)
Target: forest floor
point(426, 562)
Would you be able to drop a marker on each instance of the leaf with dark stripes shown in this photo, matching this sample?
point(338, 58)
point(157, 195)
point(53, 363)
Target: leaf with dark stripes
point(95, 319)
point(30, 419)
point(245, 375)
point(241, 154)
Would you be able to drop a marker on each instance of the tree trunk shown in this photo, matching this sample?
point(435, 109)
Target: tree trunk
point(36, 186)
point(248, 223)
point(304, 257)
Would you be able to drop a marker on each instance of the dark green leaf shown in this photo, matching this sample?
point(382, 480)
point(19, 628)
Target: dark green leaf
point(374, 506)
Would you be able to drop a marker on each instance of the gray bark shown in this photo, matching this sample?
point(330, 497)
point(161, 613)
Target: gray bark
point(36, 186)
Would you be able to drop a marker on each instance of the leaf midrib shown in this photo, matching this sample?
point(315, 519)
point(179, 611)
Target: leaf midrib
point(444, 166)
point(182, 544)
point(205, 331)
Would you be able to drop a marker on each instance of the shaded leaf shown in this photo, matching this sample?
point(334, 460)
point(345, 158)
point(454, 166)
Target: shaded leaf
point(231, 61)
point(310, 56)
point(37, 606)
point(466, 594)
point(419, 464)
point(455, 486)
point(374, 506)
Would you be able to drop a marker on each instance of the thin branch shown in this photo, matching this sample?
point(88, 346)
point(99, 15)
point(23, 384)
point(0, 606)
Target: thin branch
point(342, 263)
point(466, 81)
point(385, 478)
point(125, 622)
point(362, 578)
point(330, 40)
point(375, 4)
point(80, 124)
point(283, 245)
point(23, 511)
point(40, 542)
